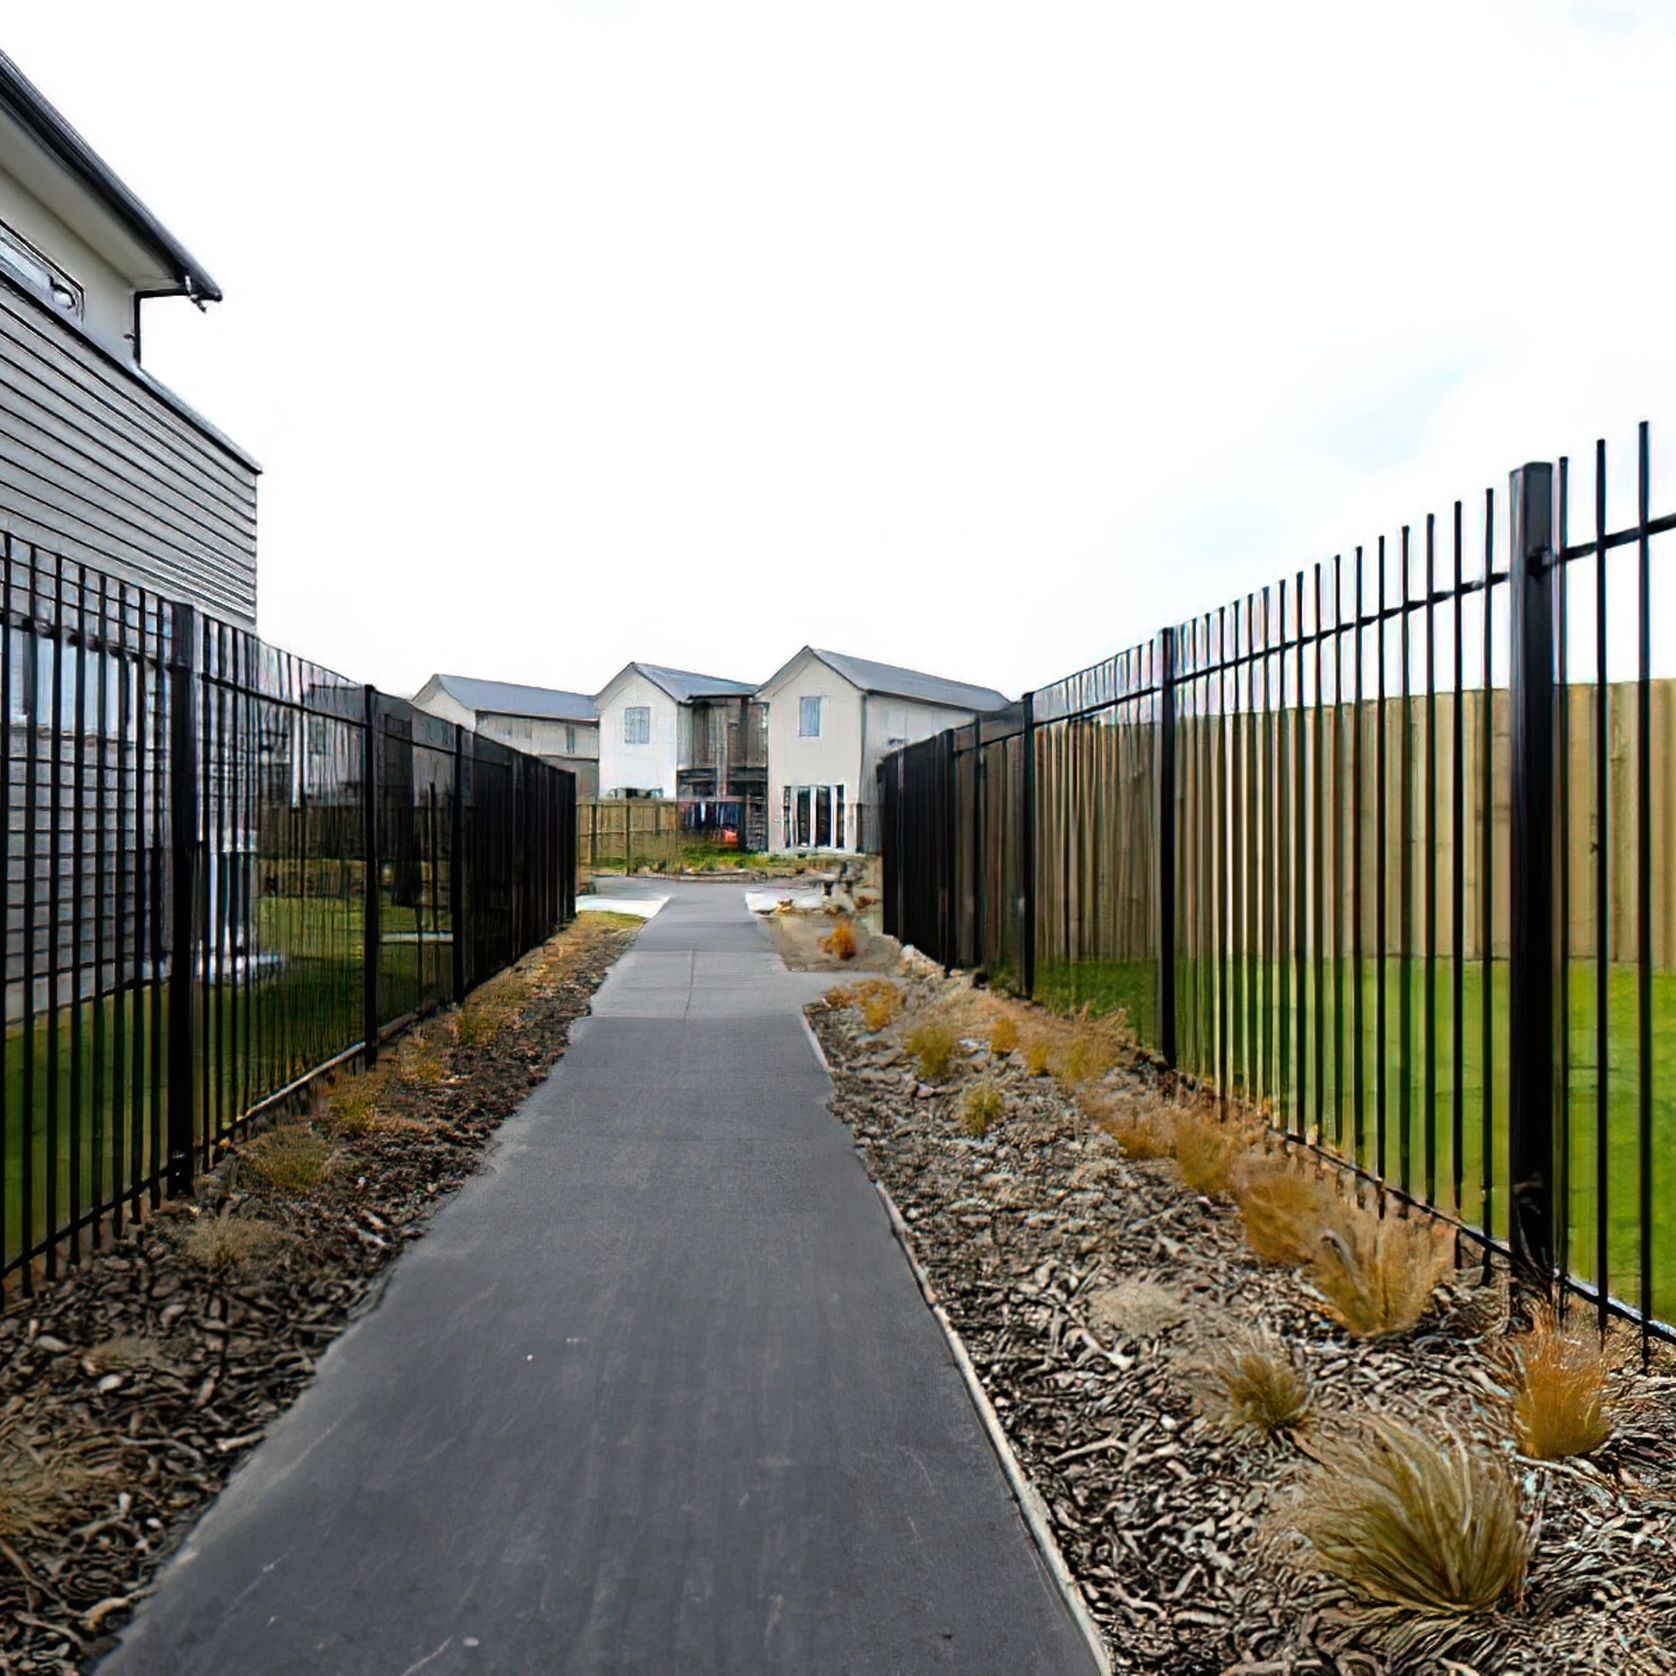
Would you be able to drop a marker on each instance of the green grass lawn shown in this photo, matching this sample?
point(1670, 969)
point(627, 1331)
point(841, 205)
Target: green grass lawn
point(1420, 1156)
point(256, 1035)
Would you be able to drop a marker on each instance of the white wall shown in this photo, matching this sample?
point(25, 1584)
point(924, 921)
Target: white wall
point(834, 759)
point(540, 736)
point(900, 721)
point(107, 296)
point(649, 767)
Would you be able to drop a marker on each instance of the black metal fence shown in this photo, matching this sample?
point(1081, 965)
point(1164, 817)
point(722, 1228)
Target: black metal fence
point(1381, 850)
point(226, 869)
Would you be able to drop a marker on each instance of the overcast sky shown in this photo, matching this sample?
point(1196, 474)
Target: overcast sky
point(983, 338)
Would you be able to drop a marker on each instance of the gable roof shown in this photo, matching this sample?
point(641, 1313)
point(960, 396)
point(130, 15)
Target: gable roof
point(890, 680)
point(683, 685)
point(510, 698)
point(29, 108)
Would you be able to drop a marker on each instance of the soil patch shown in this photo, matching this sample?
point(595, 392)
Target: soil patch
point(798, 937)
point(131, 1387)
point(1098, 1297)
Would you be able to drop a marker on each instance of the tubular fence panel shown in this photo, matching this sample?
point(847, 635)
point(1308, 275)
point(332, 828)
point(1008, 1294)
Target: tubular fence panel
point(216, 887)
point(1379, 850)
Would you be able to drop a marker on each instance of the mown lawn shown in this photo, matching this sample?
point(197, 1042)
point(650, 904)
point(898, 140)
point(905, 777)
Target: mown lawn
point(1420, 1155)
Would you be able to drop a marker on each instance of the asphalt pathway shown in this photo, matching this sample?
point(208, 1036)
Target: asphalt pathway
point(656, 1392)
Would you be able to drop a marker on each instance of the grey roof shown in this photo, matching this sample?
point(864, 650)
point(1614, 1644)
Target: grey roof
point(684, 686)
point(891, 681)
point(509, 698)
point(27, 106)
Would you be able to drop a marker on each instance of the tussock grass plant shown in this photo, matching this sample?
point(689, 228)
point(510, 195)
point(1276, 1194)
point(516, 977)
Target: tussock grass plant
point(1136, 1307)
point(840, 942)
point(43, 1483)
point(1142, 1129)
point(1377, 1274)
point(1207, 1151)
point(292, 1160)
point(1424, 1527)
point(981, 1110)
point(422, 1060)
point(1038, 1054)
point(877, 1001)
point(932, 1043)
point(1559, 1387)
point(1003, 1035)
point(1284, 1211)
point(1254, 1385)
point(351, 1103)
point(225, 1245)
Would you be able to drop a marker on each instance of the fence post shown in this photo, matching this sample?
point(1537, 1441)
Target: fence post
point(1027, 844)
point(184, 849)
point(457, 868)
point(1532, 970)
point(370, 891)
point(980, 778)
point(1167, 846)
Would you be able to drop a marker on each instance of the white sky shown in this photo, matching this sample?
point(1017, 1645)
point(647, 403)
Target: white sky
point(983, 338)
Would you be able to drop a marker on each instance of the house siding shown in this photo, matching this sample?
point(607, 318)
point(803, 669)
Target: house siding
point(649, 767)
point(834, 759)
point(97, 467)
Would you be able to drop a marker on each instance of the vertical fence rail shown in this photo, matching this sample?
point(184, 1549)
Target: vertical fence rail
point(1345, 852)
point(225, 869)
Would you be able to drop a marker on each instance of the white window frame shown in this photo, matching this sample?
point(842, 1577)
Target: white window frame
point(634, 714)
point(804, 731)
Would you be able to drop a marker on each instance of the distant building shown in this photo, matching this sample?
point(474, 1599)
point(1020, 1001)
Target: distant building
point(831, 717)
point(699, 738)
point(560, 727)
point(100, 463)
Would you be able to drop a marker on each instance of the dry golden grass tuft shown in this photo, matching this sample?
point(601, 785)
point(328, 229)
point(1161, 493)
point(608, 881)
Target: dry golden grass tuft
point(1003, 1034)
point(1207, 1151)
point(291, 1160)
point(1284, 1210)
point(981, 1110)
point(877, 1001)
point(225, 1245)
point(932, 1043)
point(840, 941)
point(1377, 1274)
point(420, 1059)
point(1559, 1387)
point(1142, 1128)
point(1254, 1385)
point(1038, 1053)
point(44, 1483)
point(1429, 1528)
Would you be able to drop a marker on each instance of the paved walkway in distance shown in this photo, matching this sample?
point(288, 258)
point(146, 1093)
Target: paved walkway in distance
point(656, 1393)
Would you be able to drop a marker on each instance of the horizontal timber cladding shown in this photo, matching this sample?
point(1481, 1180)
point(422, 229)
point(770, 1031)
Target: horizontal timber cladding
point(99, 466)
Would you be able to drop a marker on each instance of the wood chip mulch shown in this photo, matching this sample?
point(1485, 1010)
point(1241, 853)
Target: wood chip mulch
point(131, 1386)
point(1176, 1531)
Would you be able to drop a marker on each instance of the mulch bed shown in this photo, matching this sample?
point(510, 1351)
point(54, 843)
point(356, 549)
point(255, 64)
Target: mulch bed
point(1176, 1531)
point(131, 1387)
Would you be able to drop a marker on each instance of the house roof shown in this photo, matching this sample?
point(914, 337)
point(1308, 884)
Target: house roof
point(509, 698)
point(890, 680)
point(683, 685)
point(29, 108)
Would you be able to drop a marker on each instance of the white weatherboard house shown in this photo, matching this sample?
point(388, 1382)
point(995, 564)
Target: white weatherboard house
point(831, 718)
point(561, 727)
point(646, 726)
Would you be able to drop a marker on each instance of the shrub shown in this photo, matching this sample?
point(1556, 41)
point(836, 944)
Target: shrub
point(1003, 1035)
point(1430, 1528)
point(1206, 1152)
point(840, 941)
point(1377, 1274)
point(1256, 1386)
point(1560, 1388)
point(293, 1161)
point(1284, 1211)
point(933, 1045)
point(224, 1245)
point(981, 1109)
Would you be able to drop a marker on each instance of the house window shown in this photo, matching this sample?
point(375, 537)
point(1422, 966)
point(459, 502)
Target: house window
point(24, 262)
point(637, 724)
point(808, 718)
point(569, 740)
point(814, 817)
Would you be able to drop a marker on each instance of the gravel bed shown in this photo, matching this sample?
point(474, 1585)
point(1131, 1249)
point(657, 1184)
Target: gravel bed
point(132, 1386)
point(1089, 1290)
